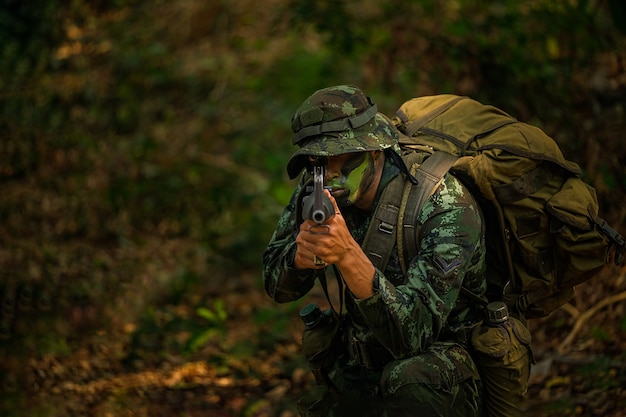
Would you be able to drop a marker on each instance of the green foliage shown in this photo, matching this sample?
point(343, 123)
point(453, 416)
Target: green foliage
point(276, 318)
point(181, 142)
point(145, 143)
point(601, 374)
point(589, 390)
point(29, 36)
point(272, 324)
point(215, 323)
point(256, 408)
point(503, 53)
point(175, 330)
point(599, 333)
point(618, 14)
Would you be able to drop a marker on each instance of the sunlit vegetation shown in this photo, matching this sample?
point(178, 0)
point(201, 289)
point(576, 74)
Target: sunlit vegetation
point(142, 169)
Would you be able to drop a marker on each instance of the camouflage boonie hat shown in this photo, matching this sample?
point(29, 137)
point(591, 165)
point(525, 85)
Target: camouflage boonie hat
point(338, 120)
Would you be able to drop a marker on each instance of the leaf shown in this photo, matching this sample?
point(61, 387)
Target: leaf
point(558, 381)
point(217, 316)
point(206, 313)
point(197, 342)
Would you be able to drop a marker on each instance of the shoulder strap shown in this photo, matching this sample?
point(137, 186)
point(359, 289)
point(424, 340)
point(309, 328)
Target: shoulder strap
point(399, 195)
point(381, 233)
point(429, 175)
point(383, 230)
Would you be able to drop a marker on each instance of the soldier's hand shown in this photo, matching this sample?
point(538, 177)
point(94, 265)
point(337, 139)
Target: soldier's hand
point(316, 250)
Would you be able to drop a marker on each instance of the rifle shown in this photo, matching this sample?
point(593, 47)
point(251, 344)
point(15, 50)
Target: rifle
point(317, 206)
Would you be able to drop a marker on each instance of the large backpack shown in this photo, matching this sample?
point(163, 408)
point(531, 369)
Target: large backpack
point(544, 235)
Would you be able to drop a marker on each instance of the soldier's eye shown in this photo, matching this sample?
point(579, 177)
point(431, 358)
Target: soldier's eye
point(314, 161)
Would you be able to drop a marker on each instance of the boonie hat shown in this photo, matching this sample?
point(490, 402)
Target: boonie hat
point(338, 120)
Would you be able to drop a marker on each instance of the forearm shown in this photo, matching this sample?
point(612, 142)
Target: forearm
point(357, 271)
point(283, 282)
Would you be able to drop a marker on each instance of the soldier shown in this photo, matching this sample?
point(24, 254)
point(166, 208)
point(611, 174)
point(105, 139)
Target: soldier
point(395, 350)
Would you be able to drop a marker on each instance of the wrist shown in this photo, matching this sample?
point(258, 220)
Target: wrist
point(359, 274)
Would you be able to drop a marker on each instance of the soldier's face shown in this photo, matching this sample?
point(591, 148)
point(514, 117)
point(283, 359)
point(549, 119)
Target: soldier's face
point(350, 176)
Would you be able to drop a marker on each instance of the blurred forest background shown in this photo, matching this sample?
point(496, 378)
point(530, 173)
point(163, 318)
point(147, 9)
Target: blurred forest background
point(142, 170)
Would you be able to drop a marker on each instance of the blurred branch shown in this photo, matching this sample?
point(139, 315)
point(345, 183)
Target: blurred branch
point(583, 318)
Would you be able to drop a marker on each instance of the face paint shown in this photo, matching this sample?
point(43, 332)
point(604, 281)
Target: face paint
point(351, 178)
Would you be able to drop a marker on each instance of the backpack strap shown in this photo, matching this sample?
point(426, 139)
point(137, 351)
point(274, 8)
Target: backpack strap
point(381, 233)
point(398, 199)
point(429, 175)
point(390, 212)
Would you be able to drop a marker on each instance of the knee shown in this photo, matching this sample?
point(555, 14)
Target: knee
point(414, 377)
point(437, 382)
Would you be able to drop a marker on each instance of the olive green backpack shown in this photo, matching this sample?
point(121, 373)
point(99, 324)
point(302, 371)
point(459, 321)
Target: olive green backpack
point(544, 235)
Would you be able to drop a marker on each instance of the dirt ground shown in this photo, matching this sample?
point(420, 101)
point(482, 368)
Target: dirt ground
point(250, 365)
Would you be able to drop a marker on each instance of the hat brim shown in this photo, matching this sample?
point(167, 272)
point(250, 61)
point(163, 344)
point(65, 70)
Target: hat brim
point(378, 134)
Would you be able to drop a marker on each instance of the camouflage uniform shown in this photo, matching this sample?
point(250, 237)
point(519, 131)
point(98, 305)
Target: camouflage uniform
point(401, 352)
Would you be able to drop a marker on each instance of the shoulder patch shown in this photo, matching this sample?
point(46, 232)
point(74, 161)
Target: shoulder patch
point(444, 266)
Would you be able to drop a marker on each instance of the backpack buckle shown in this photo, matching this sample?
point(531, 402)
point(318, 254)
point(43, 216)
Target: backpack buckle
point(386, 228)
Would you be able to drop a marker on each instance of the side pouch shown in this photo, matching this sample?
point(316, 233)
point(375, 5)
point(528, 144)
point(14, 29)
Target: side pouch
point(322, 345)
point(503, 357)
point(580, 248)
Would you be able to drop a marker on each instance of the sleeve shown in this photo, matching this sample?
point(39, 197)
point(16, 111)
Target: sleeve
point(284, 283)
point(407, 318)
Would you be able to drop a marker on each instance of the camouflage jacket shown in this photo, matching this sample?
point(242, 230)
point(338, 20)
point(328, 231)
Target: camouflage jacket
point(407, 313)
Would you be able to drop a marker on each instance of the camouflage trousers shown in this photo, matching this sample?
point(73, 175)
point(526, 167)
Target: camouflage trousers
point(442, 381)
